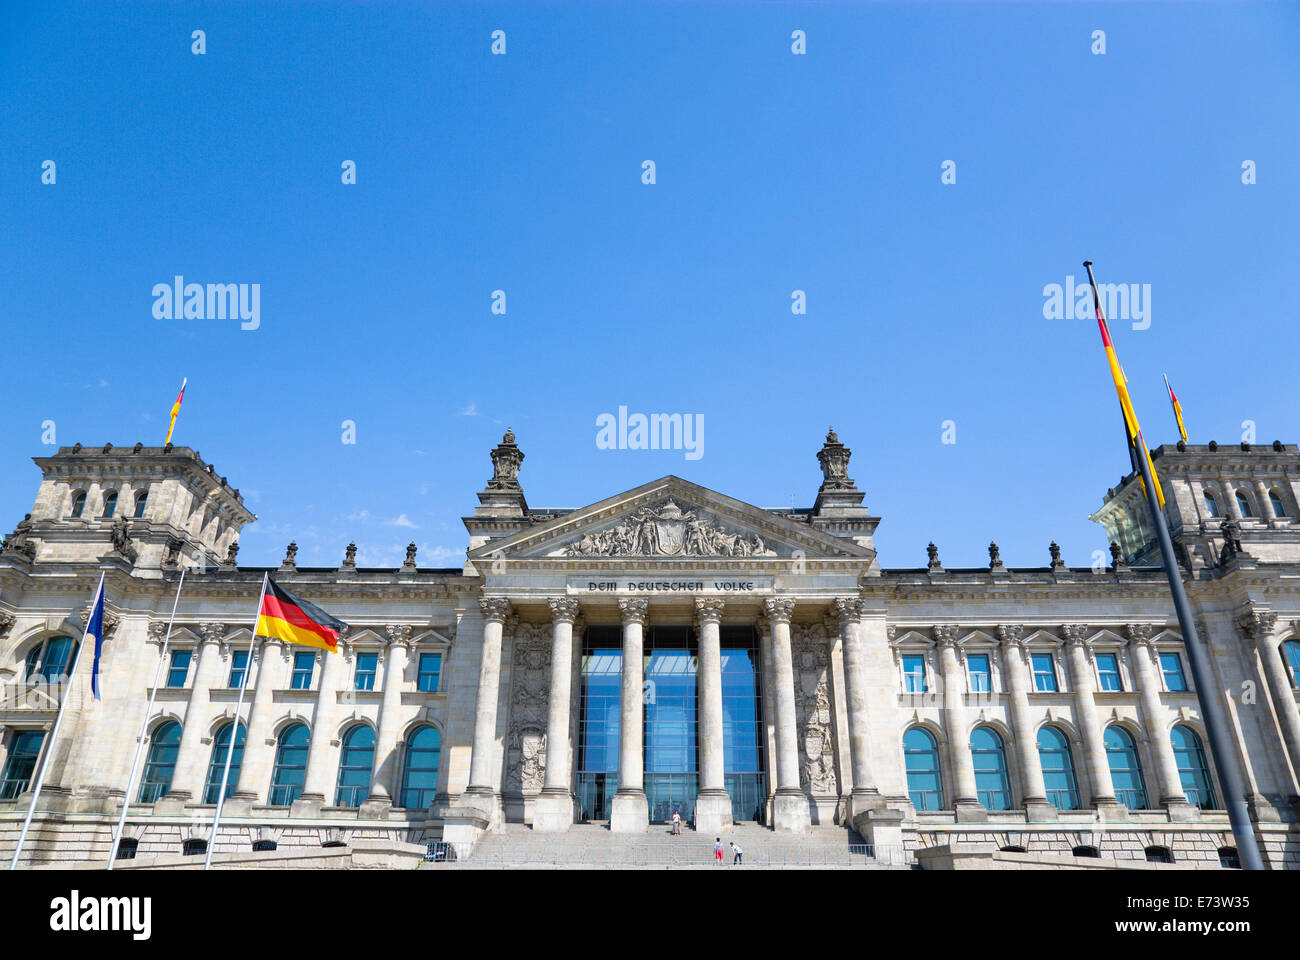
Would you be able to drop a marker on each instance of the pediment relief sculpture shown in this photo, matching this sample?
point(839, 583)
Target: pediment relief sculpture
point(666, 530)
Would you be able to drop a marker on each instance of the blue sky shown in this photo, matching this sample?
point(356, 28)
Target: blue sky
point(522, 172)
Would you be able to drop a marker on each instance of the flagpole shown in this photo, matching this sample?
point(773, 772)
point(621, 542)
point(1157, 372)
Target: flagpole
point(1212, 713)
point(144, 725)
point(234, 736)
point(54, 731)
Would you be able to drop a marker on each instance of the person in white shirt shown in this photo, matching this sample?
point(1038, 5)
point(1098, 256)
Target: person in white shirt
point(677, 824)
point(737, 853)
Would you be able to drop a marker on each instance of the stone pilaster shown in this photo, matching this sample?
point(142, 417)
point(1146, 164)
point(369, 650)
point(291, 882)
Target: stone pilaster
point(553, 809)
point(966, 801)
point(192, 755)
point(387, 758)
point(790, 810)
point(1259, 626)
point(712, 805)
point(1145, 662)
point(1079, 650)
point(259, 749)
point(865, 795)
point(322, 775)
point(630, 811)
point(482, 792)
point(1015, 665)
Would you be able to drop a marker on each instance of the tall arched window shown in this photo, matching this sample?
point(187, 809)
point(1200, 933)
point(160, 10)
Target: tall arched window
point(1291, 652)
point(1058, 769)
point(110, 505)
point(1275, 499)
point(1193, 771)
point(1125, 768)
point(990, 760)
point(290, 771)
point(217, 768)
point(420, 771)
point(355, 764)
point(1243, 504)
point(1211, 505)
point(161, 763)
point(20, 764)
point(921, 759)
point(50, 661)
point(141, 501)
point(78, 503)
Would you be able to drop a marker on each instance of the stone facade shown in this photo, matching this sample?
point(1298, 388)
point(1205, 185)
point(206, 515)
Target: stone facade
point(840, 640)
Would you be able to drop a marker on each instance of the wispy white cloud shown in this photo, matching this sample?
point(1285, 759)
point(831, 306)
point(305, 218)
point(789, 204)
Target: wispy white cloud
point(401, 520)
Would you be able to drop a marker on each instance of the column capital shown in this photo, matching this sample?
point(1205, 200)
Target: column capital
point(709, 609)
point(1011, 634)
point(633, 610)
point(563, 609)
point(945, 634)
point(495, 608)
point(399, 634)
point(1076, 633)
point(779, 609)
point(212, 632)
point(157, 632)
point(847, 609)
point(1255, 623)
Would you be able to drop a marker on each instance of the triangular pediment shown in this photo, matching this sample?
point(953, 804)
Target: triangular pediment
point(671, 519)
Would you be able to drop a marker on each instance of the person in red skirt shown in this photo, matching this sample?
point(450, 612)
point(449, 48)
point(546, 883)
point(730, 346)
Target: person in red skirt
point(717, 850)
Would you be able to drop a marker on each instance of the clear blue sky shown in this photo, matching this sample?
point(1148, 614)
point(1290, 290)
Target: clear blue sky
point(522, 172)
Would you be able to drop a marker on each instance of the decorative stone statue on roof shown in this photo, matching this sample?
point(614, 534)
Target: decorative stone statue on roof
point(410, 556)
point(122, 544)
point(506, 460)
point(834, 458)
point(20, 541)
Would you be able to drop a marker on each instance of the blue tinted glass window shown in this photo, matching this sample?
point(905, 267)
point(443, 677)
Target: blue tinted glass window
point(598, 721)
point(1292, 650)
point(430, 671)
point(161, 762)
point(304, 663)
point(217, 768)
point(1108, 671)
point(366, 664)
point(1058, 769)
point(290, 771)
point(141, 502)
point(110, 505)
point(238, 666)
point(1193, 771)
point(420, 771)
point(1276, 501)
point(49, 662)
point(914, 673)
point(1125, 768)
point(921, 759)
point(1244, 505)
point(78, 504)
point(356, 762)
point(20, 764)
point(742, 726)
point(981, 680)
point(179, 668)
point(1171, 664)
point(990, 761)
point(1211, 506)
point(1044, 673)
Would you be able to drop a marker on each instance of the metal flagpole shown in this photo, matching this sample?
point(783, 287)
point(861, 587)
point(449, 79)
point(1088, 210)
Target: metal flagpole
point(144, 725)
point(1216, 724)
point(54, 731)
point(234, 736)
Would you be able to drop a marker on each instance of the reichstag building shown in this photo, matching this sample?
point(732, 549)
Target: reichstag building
point(670, 649)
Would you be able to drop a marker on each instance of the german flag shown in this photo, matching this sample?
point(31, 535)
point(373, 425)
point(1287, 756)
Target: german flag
point(176, 409)
point(284, 617)
point(1178, 410)
point(1137, 445)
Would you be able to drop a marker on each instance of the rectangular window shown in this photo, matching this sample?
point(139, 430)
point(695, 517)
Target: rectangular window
point(304, 664)
point(1108, 671)
point(981, 678)
point(238, 666)
point(430, 670)
point(1044, 673)
point(913, 674)
point(180, 667)
point(1171, 664)
point(366, 663)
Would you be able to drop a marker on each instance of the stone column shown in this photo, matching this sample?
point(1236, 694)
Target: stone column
point(322, 775)
point(1229, 499)
point(865, 795)
point(790, 810)
point(259, 746)
point(1143, 657)
point(1085, 708)
point(712, 805)
point(193, 755)
point(553, 808)
point(630, 812)
point(482, 792)
point(387, 756)
point(1265, 504)
point(1015, 660)
point(966, 803)
point(1258, 625)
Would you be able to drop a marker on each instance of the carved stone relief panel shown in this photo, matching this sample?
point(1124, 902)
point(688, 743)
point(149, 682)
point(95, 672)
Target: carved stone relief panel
point(529, 693)
point(813, 715)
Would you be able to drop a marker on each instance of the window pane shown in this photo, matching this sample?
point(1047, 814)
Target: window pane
point(20, 765)
point(1276, 501)
point(238, 666)
point(304, 663)
point(357, 760)
point(217, 768)
point(158, 769)
point(1211, 506)
point(179, 668)
point(1108, 671)
point(1058, 769)
point(990, 762)
point(1193, 771)
point(420, 771)
point(430, 669)
point(1172, 665)
point(980, 676)
point(1125, 770)
point(366, 663)
point(914, 674)
point(1044, 673)
point(921, 759)
point(290, 771)
point(1292, 648)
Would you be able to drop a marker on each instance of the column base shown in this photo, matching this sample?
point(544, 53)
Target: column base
point(172, 805)
point(1180, 810)
point(970, 811)
point(307, 805)
point(375, 807)
point(863, 801)
point(1261, 810)
point(1038, 809)
point(553, 810)
point(486, 802)
point(790, 813)
point(629, 812)
point(1109, 809)
point(712, 812)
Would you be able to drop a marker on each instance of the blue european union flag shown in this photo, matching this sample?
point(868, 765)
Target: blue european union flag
point(95, 628)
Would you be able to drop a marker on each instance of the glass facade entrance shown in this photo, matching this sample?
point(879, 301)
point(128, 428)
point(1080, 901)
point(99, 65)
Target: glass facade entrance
point(670, 742)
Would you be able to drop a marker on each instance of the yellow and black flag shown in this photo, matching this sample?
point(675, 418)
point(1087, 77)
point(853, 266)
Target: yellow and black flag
point(1137, 445)
point(1178, 410)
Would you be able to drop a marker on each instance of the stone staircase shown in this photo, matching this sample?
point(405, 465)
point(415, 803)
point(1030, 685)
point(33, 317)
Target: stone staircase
point(592, 846)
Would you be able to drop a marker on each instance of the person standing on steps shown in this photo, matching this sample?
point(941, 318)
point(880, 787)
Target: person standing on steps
point(717, 850)
point(677, 824)
point(736, 853)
